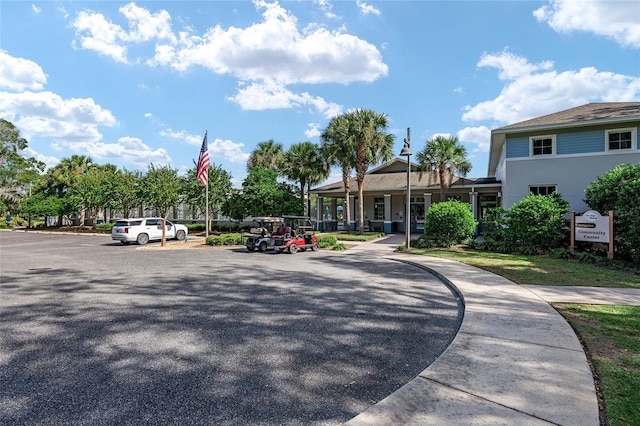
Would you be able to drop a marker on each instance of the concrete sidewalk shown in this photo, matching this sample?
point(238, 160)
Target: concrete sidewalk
point(515, 360)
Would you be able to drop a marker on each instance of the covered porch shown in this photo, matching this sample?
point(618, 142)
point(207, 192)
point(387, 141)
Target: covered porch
point(385, 202)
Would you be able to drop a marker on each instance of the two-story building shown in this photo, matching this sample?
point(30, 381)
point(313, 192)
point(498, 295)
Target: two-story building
point(562, 152)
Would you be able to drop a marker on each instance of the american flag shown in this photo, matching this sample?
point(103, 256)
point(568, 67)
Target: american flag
point(202, 172)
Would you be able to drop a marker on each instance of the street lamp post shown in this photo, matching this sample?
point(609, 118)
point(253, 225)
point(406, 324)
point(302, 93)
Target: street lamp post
point(406, 152)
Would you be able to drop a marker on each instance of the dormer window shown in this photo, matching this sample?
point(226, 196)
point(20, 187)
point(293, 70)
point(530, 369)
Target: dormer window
point(620, 139)
point(543, 145)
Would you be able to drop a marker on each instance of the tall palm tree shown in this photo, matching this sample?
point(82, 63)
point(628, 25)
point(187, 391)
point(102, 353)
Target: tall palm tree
point(338, 149)
point(446, 156)
point(62, 177)
point(304, 163)
point(372, 145)
point(267, 154)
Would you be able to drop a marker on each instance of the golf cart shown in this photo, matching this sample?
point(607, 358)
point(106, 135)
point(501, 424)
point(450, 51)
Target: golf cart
point(260, 237)
point(298, 237)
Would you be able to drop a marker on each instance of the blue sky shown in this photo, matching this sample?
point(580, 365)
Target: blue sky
point(137, 83)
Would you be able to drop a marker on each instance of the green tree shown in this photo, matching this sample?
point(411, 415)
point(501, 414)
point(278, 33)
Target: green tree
point(619, 190)
point(63, 176)
point(446, 156)
point(161, 188)
point(366, 130)
point(338, 149)
point(107, 191)
point(267, 154)
point(17, 171)
point(220, 188)
point(263, 195)
point(41, 205)
point(303, 162)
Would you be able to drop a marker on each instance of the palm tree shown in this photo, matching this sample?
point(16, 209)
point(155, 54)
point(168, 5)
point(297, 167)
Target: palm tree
point(267, 154)
point(366, 129)
point(62, 177)
point(304, 163)
point(446, 156)
point(339, 151)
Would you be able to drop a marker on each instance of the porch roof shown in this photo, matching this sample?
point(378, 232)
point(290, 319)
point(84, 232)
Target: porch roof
point(394, 182)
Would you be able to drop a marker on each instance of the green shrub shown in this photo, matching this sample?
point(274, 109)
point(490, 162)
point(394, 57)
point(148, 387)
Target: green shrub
point(449, 222)
point(561, 253)
point(224, 240)
point(618, 190)
point(326, 241)
point(424, 242)
point(537, 223)
point(339, 247)
point(195, 227)
point(104, 226)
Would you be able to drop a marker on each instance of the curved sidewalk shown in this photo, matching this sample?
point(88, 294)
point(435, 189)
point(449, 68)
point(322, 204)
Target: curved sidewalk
point(515, 360)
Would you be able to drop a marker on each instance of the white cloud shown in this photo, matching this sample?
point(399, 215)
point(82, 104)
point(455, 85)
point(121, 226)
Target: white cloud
point(313, 130)
point(145, 26)
point(276, 49)
point(366, 8)
point(479, 136)
point(129, 149)
point(48, 160)
point(618, 20)
point(20, 74)
point(35, 9)
point(273, 95)
point(99, 34)
point(48, 114)
point(229, 150)
point(326, 7)
point(533, 90)
point(267, 55)
point(511, 66)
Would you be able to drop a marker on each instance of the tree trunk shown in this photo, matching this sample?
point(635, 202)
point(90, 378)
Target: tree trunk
point(346, 179)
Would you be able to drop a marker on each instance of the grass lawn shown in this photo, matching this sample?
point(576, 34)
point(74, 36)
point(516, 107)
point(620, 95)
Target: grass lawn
point(354, 236)
point(539, 269)
point(610, 334)
point(612, 337)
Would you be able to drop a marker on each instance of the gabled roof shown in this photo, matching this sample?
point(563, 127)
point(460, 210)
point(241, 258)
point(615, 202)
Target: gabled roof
point(585, 115)
point(582, 115)
point(377, 180)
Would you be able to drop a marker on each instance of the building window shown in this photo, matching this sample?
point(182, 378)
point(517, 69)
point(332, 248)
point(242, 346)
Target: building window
point(542, 145)
point(620, 139)
point(378, 208)
point(542, 189)
point(487, 202)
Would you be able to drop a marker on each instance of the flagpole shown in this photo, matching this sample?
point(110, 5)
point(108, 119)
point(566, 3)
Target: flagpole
point(207, 208)
point(206, 215)
point(202, 173)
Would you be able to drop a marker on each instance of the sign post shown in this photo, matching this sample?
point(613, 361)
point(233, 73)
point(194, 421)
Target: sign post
point(592, 227)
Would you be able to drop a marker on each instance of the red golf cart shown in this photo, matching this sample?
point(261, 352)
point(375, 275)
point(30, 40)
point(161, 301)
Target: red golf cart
point(293, 239)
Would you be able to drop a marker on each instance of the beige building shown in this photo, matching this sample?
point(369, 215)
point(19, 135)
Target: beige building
point(385, 202)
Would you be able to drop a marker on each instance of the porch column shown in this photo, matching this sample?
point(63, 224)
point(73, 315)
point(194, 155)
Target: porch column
point(473, 199)
point(354, 215)
point(388, 224)
point(319, 213)
point(333, 214)
point(427, 202)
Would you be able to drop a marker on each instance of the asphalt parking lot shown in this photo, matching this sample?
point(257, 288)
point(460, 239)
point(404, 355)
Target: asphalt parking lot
point(96, 333)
